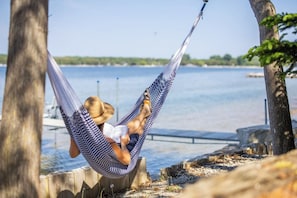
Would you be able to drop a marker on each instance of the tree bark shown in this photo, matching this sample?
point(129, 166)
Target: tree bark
point(23, 103)
point(278, 105)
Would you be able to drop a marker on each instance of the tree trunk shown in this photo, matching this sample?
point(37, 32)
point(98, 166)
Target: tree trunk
point(278, 105)
point(23, 103)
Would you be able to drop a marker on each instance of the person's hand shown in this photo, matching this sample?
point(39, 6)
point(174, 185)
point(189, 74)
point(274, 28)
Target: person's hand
point(125, 140)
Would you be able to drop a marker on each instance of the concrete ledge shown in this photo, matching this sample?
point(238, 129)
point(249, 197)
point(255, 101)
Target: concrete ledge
point(259, 137)
point(259, 134)
point(254, 134)
point(85, 182)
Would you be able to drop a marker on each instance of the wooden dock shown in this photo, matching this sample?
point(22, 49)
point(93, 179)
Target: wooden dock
point(161, 134)
point(193, 135)
point(53, 122)
point(261, 75)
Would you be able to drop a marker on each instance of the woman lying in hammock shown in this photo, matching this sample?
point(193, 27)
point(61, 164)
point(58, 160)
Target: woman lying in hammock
point(122, 138)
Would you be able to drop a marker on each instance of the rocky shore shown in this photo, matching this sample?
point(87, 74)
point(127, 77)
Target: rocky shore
point(176, 178)
point(272, 177)
point(245, 170)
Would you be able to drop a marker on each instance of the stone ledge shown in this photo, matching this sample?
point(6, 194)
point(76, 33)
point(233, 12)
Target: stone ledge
point(259, 137)
point(85, 182)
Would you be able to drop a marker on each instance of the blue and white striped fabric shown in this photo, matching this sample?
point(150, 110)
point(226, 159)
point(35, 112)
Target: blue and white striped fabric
point(91, 142)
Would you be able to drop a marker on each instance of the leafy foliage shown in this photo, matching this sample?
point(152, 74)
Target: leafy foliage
point(282, 51)
point(3, 59)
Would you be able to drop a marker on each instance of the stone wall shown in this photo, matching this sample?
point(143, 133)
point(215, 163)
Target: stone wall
point(85, 182)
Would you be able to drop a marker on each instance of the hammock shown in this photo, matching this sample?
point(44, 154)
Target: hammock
point(91, 142)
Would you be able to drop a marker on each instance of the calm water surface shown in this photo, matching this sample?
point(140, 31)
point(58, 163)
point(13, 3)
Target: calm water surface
point(211, 99)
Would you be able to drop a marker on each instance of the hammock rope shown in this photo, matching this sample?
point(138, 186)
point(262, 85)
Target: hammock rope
point(80, 126)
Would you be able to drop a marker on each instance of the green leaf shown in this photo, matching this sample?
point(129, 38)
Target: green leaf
point(269, 46)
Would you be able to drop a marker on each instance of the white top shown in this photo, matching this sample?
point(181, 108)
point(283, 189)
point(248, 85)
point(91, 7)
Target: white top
point(116, 132)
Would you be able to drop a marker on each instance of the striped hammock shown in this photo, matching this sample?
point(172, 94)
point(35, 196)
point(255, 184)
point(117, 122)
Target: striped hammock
point(90, 141)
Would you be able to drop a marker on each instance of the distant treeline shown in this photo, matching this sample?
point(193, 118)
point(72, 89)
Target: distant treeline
point(187, 60)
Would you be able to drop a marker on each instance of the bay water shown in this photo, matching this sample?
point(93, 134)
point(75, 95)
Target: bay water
point(220, 99)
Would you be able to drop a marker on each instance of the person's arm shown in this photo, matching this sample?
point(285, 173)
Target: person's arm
point(73, 150)
point(122, 154)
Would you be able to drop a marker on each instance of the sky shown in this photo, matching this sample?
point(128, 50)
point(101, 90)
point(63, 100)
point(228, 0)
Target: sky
point(147, 28)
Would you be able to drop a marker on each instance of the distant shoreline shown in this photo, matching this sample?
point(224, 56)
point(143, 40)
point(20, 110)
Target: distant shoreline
point(211, 66)
point(227, 59)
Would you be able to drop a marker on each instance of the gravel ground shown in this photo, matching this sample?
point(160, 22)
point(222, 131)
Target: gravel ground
point(173, 179)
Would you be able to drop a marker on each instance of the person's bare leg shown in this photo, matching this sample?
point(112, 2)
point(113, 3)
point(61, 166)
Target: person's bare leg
point(136, 125)
point(141, 127)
